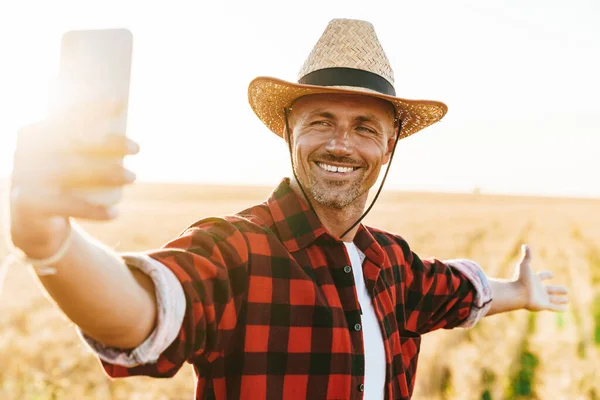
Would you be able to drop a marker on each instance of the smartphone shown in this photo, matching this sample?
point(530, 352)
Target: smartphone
point(94, 74)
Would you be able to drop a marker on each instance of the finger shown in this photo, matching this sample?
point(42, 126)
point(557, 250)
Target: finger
point(111, 146)
point(557, 307)
point(49, 138)
point(555, 299)
point(40, 165)
point(71, 172)
point(91, 174)
point(86, 111)
point(76, 208)
point(54, 202)
point(526, 255)
point(557, 289)
point(543, 275)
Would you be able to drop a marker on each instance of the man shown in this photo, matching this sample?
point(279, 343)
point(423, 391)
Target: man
point(292, 298)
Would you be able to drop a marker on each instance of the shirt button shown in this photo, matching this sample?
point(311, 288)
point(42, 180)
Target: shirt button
point(347, 269)
point(357, 327)
point(361, 388)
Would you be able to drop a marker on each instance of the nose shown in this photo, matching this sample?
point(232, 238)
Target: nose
point(340, 144)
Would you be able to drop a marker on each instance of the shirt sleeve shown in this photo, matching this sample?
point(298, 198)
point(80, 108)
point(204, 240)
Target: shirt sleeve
point(444, 294)
point(210, 262)
point(170, 302)
point(483, 291)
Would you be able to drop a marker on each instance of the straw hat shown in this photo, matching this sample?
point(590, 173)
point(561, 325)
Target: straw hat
point(348, 58)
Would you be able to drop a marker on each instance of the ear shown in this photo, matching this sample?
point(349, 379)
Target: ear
point(288, 131)
point(391, 140)
point(287, 136)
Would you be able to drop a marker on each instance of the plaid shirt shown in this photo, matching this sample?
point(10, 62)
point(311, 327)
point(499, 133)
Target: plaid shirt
point(272, 310)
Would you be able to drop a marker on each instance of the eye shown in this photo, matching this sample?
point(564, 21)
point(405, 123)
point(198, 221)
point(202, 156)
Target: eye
point(320, 123)
point(367, 130)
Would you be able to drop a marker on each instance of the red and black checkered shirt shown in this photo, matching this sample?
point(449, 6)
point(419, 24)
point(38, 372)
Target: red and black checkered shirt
point(272, 312)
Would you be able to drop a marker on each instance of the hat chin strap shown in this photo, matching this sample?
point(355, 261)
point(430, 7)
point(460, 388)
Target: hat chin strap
point(288, 135)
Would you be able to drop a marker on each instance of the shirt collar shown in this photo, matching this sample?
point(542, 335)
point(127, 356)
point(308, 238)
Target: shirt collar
point(367, 243)
point(298, 226)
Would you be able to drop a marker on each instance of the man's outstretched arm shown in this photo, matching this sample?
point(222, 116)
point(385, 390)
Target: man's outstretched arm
point(107, 300)
point(93, 286)
point(526, 290)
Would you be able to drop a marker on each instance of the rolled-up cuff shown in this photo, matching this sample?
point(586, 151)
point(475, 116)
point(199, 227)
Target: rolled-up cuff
point(171, 304)
point(483, 291)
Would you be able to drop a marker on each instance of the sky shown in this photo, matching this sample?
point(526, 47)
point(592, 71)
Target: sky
point(520, 79)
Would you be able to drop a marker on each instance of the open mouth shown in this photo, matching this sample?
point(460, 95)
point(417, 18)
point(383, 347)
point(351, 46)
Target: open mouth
point(336, 168)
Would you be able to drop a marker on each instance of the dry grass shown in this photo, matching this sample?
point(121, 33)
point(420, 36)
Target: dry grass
point(517, 355)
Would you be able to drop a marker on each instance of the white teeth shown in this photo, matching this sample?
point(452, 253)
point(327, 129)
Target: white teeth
point(333, 168)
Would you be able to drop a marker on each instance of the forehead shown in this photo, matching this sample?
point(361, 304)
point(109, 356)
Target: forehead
point(346, 102)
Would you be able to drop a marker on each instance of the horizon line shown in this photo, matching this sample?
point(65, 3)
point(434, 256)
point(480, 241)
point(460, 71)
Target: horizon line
point(476, 191)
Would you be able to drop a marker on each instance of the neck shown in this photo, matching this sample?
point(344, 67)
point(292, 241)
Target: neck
point(335, 220)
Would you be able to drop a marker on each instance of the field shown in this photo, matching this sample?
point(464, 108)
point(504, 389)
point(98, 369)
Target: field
point(519, 355)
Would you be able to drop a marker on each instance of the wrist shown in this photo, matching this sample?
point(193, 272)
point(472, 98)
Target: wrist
point(507, 295)
point(522, 300)
point(518, 295)
point(40, 239)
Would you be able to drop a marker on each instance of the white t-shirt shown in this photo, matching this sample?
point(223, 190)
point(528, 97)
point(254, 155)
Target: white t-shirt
point(372, 336)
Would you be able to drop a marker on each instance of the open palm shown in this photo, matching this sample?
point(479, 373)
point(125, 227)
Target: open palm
point(538, 295)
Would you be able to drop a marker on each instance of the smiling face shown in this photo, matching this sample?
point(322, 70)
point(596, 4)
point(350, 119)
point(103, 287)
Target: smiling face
point(339, 143)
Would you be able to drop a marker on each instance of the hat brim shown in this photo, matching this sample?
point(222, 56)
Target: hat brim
point(269, 96)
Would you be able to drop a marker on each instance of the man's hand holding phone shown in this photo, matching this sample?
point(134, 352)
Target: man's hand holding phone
point(52, 165)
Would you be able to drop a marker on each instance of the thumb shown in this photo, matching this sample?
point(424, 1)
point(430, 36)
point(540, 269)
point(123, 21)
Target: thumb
point(525, 255)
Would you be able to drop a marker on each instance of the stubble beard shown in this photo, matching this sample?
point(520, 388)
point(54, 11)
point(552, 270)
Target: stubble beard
point(335, 194)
